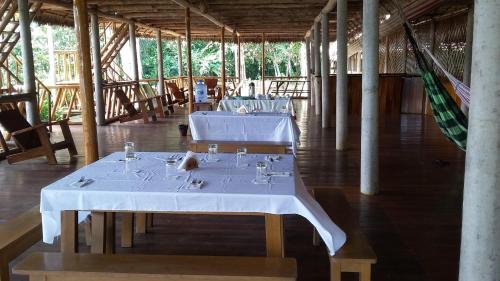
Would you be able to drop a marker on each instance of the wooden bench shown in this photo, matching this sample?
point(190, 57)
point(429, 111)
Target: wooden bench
point(16, 236)
point(75, 267)
point(356, 255)
point(231, 146)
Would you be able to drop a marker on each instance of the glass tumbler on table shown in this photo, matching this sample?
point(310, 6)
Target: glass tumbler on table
point(171, 168)
point(212, 152)
point(241, 153)
point(261, 173)
point(129, 148)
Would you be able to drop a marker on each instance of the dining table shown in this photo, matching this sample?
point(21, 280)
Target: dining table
point(247, 127)
point(113, 185)
point(278, 105)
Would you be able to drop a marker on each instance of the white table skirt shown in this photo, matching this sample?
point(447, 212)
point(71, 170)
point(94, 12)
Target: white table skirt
point(142, 185)
point(258, 105)
point(230, 126)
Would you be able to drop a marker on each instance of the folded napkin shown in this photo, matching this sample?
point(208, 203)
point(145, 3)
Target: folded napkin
point(242, 109)
point(189, 162)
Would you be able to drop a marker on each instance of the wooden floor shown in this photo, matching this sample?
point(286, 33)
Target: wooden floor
point(413, 225)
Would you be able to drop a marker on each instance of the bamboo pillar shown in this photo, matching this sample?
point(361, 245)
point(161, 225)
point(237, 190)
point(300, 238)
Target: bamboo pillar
point(239, 58)
point(88, 116)
point(28, 65)
point(325, 69)
point(189, 62)
point(386, 55)
point(342, 118)
point(480, 249)
point(313, 69)
point(133, 50)
point(96, 54)
point(263, 64)
point(223, 61)
point(179, 56)
point(159, 57)
point(317, 69)
point(308, 62)
point(369, 101)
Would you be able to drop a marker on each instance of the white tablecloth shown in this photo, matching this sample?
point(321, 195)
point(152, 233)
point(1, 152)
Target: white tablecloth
point(258, 105)
point(142, 185)
point(230, 126)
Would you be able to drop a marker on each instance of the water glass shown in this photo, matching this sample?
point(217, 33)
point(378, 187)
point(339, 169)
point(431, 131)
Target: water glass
point(241, 153)
point(129, 151)
point(212, 152)
point(171, 168)
point(261, 173)
point(284, 109)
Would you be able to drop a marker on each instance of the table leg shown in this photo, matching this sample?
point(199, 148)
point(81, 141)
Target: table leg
point(274, 236)
point(127, 230)
point(98, 232)
point(140, 223)
point(110, 234)
point(69, 232)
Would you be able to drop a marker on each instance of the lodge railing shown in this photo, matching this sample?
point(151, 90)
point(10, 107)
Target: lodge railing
point(294, 86)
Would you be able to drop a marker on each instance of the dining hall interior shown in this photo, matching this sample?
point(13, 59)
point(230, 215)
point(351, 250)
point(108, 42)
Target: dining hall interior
point(249, 140)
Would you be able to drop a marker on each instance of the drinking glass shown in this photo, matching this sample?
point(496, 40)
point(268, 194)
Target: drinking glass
point(241, 153)
point(171, 168)
point(212, 152)
point(261, 173)
point(284, 109)
point(129, 151)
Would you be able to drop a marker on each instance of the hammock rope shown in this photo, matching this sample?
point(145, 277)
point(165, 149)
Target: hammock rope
point(450, 119)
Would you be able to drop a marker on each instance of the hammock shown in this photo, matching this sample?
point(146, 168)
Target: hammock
point(451, 120)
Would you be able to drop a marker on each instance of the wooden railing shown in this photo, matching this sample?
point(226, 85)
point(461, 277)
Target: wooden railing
point(113, 108)
point(66, 66)
point(295, 87)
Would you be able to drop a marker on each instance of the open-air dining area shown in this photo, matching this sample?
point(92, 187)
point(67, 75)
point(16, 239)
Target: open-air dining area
point(249, 140)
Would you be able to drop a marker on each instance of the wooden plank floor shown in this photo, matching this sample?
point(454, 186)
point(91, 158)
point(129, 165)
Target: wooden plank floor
point(413, 225)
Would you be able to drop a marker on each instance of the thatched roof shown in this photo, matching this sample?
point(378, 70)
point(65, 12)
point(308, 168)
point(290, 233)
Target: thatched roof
point(280, 20)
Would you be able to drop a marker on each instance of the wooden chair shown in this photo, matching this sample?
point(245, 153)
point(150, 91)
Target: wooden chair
point(160, 101)
point(212, 86)
point(179, 94)
point(16, 236)
point(34, 141)
point(83, 267)
point(146, 108)
point(356, 255)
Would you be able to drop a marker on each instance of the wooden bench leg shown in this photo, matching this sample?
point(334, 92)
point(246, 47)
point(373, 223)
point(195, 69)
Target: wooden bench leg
point(274, 236)
point(150, 220)
point(110, 233)
point(88, 231)
point(127, 235)
point(69, 232)
point(335, 271)
point(98, 232)
point(140, 223)
point(365, 273)
point(4, 270)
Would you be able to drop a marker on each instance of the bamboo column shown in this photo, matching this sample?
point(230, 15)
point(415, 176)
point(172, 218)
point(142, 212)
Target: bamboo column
point(96, 49)
point(342, 100)
point(179, 56)
point(313, 69)
point(223, 61)
point(317, 69)
point(133, 50)
point(369, 99)
point(86, 95)
point(386, 55)
point(159, 52)
point(325, 69)
point(27, 58)
point(308, 62)
point(189, 62)
point(239, 58)
point(480, 250)
point(263, 63)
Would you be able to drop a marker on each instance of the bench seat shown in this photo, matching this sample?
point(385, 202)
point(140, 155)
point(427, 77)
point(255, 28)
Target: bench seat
point(357, 254)
point(74, 267)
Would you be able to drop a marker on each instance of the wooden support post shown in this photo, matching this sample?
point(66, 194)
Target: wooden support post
point(179, 56)
point(127, 230)
point(69, 232)
point(263, 64)
point(386, 55)
point(308, 62)
point(159, 58)
point(223, 61)
point(274, 236)
point(140, 223)
point(96, 52)
point(86, 93)
point(239, 58)
point(189, 62)
point(133, 50)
